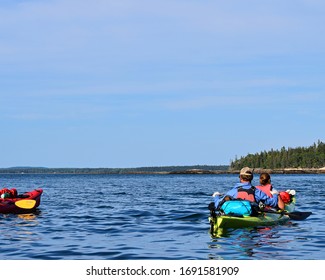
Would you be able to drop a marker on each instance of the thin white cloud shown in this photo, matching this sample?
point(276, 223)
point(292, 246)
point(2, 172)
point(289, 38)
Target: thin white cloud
point(72, 27)
point(56, 112)
point(229, 101)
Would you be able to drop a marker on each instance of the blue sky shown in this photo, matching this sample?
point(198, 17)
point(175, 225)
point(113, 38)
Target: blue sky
point(129, 83)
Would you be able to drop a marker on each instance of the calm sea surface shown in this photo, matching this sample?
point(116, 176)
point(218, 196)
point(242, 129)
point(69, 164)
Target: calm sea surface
point(164, 217)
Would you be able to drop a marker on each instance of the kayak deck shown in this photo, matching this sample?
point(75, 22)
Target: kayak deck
point(247, 221)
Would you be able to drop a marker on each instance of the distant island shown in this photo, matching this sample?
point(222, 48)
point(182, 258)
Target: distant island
point(198, 169)
point(137, 170)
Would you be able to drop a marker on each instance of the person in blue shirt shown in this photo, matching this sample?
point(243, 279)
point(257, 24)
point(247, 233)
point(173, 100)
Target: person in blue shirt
point(245, 190)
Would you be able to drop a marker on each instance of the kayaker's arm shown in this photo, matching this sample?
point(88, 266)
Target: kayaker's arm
point(218, 197)
point(280, 201)
point(268, 201)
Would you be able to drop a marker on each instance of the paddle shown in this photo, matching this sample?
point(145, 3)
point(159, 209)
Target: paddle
point(297, 216)
point(25, 203)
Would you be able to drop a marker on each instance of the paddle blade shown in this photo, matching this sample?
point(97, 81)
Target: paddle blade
point(26, 203)
point(298, 216)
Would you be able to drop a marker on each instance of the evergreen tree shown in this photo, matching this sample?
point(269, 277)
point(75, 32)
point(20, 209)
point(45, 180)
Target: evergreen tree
point(300, 157)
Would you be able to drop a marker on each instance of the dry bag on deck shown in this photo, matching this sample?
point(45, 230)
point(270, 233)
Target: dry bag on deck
point(237, 208)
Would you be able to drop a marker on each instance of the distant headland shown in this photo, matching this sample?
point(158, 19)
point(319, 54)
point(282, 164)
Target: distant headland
point(197, 169)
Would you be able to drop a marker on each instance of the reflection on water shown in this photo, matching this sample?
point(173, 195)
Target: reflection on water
point(22, 227)
point(30, 216)
point(253, 243)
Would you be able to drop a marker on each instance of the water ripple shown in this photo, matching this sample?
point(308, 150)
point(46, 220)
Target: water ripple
point(152, 217)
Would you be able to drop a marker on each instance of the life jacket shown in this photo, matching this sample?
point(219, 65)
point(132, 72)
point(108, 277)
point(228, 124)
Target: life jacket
point(266, 189)
point(246, 194)
point(11, 193)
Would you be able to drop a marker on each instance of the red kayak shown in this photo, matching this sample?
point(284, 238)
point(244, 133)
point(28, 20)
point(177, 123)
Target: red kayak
point(23, 203)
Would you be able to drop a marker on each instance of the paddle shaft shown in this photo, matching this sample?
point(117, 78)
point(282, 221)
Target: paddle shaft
point(297, 216)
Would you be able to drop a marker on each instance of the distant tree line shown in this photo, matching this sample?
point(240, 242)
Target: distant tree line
point(300, 157)
point(159, 169)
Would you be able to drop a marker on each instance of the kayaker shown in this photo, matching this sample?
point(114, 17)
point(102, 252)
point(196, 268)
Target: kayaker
point(265, 184)
point(6, 193)
point(245, 190)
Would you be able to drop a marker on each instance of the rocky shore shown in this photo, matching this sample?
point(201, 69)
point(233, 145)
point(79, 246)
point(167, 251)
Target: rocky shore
point(161, 172)
point(255, 170)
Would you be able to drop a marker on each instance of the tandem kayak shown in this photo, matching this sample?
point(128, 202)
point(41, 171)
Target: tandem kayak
point(266, 217)
point(23, 203)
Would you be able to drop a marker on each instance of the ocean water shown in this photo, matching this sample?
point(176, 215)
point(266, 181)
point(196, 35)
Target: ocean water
point(160, 217)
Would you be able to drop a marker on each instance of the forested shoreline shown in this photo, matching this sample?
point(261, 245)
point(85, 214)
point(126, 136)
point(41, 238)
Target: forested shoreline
point(284, 161)
point(137, 170)
point(161, 171)
point(312, 157)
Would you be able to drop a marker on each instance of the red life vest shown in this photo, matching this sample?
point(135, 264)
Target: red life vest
point(12, 192)
point(266, 189)
point(246, 194)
